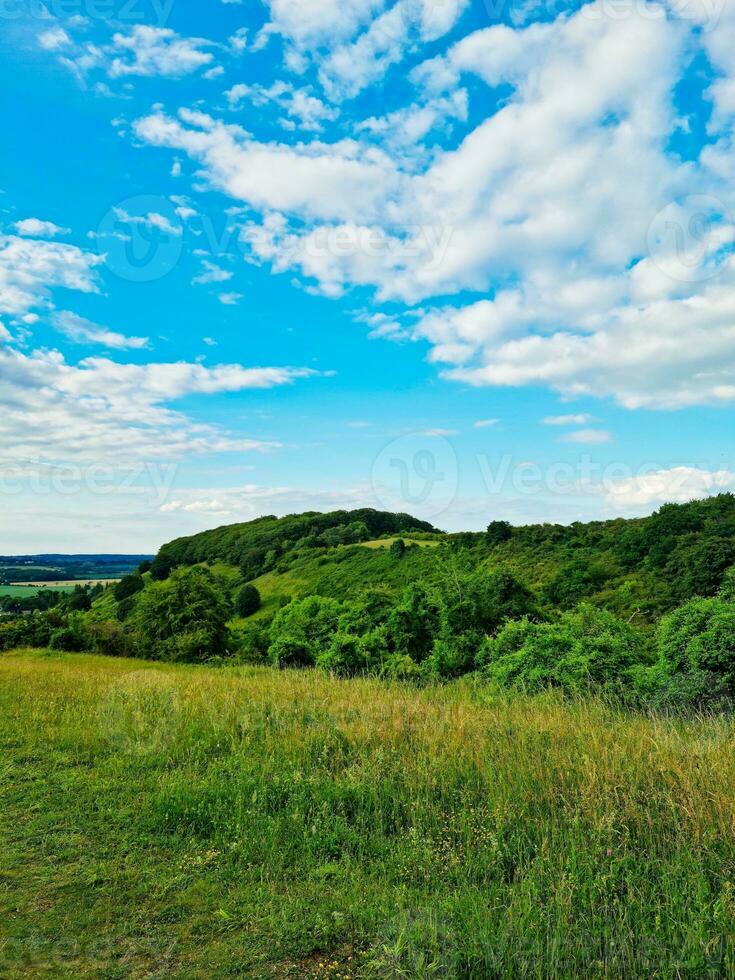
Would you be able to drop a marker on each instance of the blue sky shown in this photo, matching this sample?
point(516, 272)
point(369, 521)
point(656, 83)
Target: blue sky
point(467, 258)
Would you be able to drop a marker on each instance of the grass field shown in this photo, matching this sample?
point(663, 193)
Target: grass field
point(186, 822)
point(23, 591)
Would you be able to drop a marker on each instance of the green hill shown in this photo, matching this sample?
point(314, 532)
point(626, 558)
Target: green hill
point(645, 607)
point(642, 568)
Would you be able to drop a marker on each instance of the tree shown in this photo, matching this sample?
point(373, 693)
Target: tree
point(398, 548)
point(247, 601)
point(183, 618)
point(498, 532)
point(129, 586)
point(145, 566)
point(79, 600)
point(413, 623)
point(161, 568)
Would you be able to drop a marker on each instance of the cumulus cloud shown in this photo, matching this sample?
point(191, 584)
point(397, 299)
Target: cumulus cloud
point(302, 107)
point(559, 213)
point(315, 180)
point(147, 50)
point(676, 485)
point(100, 409)
point(30, 269)
point(35, 228)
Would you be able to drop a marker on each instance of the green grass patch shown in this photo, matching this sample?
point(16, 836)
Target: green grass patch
point(162, 821)
point(24, 591)
point(387, 542)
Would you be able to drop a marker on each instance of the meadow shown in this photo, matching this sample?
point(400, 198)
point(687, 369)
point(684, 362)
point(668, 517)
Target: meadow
point(179, 821)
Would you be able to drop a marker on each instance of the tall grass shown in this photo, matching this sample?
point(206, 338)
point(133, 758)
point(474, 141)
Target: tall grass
point(171, 821)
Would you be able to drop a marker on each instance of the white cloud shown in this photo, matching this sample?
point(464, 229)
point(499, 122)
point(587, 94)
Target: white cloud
point(229, 299)
point(589, 437)
point(582, 419)
point(318, 180)
point(313, 24)
point(553, 210)
point(30, 269)
point(35, 228)
point(150, 51)
point(82, 331)
point(676, 485)
point(486, 423)
point(53, 39)
point(301, 106)
point(101, 409)
point(211, 272)
point(352, 66)
point(150, 220)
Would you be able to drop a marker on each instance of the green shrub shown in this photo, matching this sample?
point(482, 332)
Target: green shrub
point(586, 648)
point(247, 601)
point(129, 586)
point(302, 630)
point(183, 618)
point(700, 636)
point(110, 638)
point(70, 639)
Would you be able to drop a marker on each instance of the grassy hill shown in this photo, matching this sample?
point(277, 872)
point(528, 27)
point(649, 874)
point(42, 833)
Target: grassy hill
point(642, 568)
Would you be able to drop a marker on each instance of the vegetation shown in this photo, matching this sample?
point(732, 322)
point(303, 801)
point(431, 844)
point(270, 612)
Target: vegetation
point(643, 610)
point(528, 773)
point(161, 820)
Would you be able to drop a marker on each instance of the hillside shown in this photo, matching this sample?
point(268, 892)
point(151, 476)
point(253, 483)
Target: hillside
point(643, 608)
point(643, 567)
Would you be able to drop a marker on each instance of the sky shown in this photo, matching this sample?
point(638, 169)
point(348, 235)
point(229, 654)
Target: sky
point(469, 259)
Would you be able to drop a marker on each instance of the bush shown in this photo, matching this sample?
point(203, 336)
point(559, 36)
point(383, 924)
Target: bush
point(302, 630)
point(586, 648)
point(72, 638)
point(250, 643)
point(345, 656)
point(109, 638)
point(129, 586)
point(700, 636)
point(398, 548)
point(183, 618)
point(247, 601)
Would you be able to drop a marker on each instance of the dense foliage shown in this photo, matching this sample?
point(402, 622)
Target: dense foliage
point(643, 608)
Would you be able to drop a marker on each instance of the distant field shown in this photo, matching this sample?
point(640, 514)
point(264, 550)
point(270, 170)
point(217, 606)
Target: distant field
point(68, 584)
point(23, 591)
point(190, 822)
